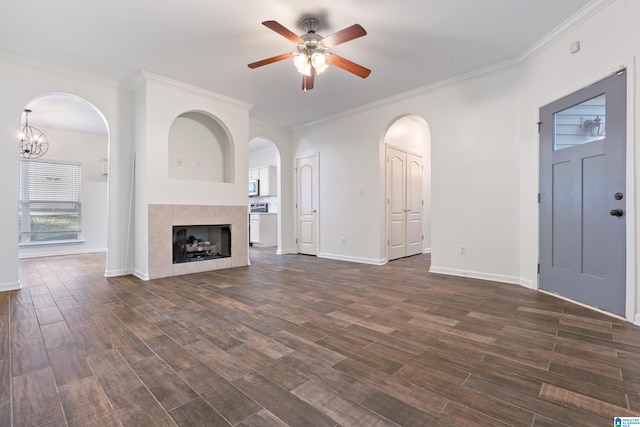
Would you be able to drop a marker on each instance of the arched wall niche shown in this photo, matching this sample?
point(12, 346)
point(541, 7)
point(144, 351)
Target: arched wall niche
point(200, 149)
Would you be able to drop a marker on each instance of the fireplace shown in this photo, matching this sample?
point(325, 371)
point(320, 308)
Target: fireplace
point(166, 220)
point(193, 243)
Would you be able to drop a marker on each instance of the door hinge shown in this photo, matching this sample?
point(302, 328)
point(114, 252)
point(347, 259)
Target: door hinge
point(539, 123)
point(387, 243)
point(423, 237)
point(296, 241)
point(538, 268)
point(539, 197)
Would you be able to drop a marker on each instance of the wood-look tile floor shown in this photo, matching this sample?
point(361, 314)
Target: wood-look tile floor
point(301, 341)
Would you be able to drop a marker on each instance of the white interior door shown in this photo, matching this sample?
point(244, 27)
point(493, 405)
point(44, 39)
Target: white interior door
point(404, 181)
point(307, 205)
point(414, 204)
point(396, 173)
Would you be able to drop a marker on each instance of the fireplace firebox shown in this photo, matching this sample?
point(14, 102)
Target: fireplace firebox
point(201, 242)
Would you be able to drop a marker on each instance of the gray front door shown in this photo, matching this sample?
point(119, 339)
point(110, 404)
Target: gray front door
point(582, 195)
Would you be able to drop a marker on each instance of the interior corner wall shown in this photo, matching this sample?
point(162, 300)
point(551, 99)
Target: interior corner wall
point(139, 194)
point(25, 81)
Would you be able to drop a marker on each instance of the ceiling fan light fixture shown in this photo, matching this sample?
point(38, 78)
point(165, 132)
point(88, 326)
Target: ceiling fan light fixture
point(301, 61)
point(319, 62)
point(312, 57)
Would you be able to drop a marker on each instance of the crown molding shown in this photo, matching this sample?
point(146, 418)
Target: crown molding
point(570, 24)
point(145, 76)
point(16, 59)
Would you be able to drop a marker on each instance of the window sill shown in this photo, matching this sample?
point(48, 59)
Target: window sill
point(55, 243)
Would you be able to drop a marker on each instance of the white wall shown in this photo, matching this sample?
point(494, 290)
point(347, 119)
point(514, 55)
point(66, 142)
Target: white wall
point(89, 150)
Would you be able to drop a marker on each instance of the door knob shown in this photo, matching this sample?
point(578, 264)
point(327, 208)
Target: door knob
point(616, 212)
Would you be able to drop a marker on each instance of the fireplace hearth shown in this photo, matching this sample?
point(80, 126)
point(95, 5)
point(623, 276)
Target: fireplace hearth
point(193, 243)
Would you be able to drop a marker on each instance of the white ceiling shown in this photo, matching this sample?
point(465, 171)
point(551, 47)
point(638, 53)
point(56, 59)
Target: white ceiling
point(410, 44)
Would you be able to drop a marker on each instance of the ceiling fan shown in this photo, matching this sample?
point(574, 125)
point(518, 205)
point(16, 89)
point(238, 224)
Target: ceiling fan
point(312, 50)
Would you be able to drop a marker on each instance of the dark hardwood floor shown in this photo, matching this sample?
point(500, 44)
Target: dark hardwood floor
point(301, 341)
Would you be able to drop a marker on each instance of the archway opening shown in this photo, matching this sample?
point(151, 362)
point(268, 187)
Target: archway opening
point(265, 201)
point(63, 194)
point(409, 137)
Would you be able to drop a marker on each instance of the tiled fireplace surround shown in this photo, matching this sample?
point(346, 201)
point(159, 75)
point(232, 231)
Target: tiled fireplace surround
point(162, 218)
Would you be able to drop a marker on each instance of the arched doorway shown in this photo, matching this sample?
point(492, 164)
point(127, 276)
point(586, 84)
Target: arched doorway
point(64, 192)
point(265, 206)
point(407, 151)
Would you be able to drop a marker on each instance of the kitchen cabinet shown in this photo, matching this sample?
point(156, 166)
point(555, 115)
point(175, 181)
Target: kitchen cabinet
point(263, 229)
point(268, 179)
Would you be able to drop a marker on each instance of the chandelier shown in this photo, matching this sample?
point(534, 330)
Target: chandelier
point(33, 143)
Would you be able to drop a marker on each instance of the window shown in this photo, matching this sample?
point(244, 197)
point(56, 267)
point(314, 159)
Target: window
point(49, 202)
point(580, 124)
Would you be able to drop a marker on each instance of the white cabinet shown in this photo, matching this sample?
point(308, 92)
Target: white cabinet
point(263, 229)
point(268, 180)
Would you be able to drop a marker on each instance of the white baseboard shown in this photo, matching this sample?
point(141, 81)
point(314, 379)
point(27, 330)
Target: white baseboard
point(118, 272)
point(11, 286)
point(476, 275)
point(140, 274)
point(353, 259)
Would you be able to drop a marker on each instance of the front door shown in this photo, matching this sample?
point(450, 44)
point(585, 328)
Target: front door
point(307, 205)
point(582, 195)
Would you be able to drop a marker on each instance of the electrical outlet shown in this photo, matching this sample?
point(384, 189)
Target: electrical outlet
point(463, 250)
point(179, 162)
point(343, 241)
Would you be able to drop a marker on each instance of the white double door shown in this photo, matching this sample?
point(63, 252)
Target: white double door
point(405, 203)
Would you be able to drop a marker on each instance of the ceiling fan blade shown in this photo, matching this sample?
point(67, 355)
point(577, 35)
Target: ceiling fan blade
point(350, 66)
point(271, 60)
point(307, 81)
point(349, 33)
point(284, 32)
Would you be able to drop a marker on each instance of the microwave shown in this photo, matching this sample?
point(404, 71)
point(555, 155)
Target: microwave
point(254, 187)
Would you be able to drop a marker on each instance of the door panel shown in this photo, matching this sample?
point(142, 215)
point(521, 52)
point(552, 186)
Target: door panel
point(405, 203)
point(582, 167)
point(414, 204)
point(307, 205)
point(397, 201)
